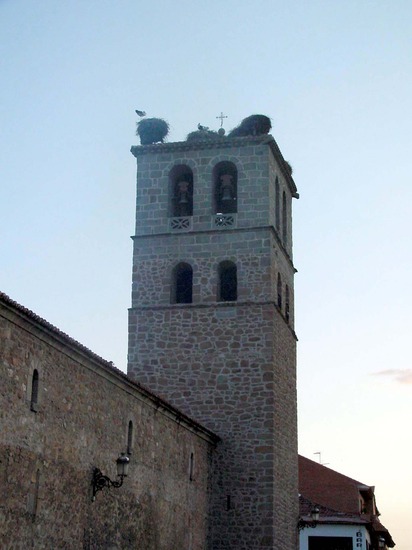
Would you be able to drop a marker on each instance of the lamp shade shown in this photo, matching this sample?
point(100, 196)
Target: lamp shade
point(122, 465)
point(315, 513)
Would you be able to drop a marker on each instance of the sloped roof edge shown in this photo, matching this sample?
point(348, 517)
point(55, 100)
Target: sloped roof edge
point(108, 366)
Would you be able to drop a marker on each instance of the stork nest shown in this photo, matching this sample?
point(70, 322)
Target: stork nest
point(254, 125)
point(200, 135)
point(152, 130)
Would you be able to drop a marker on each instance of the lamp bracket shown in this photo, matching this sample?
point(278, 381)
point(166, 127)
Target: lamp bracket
point(100, 481)
point(302, 524)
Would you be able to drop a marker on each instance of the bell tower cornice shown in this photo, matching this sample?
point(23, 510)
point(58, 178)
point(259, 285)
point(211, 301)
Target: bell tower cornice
point(221, 143)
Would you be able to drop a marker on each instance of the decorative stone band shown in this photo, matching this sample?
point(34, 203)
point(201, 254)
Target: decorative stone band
point(181, 224)
point(221, 221)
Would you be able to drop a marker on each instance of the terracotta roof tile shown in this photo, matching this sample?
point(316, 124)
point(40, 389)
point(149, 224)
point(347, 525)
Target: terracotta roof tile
point(337, 497)
point(327, 487)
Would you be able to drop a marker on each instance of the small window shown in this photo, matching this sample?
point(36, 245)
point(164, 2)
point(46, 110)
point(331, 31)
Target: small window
point(287, 306)
point(227, 291)
point(284, 220)
point(279, 289)
point(225, 188)
point(277, 204)
point(181, 191)
point(182, 284)
point(34, 398)
point(130, 438)
point(191, 466)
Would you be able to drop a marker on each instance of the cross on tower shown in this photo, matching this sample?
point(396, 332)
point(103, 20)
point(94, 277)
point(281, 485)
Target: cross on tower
point(222, 116)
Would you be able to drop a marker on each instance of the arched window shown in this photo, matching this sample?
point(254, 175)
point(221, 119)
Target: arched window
point(130, 438)
point(277, 204)
point(284, 219)
point(182, 284)
point(227, 291)
point(181, 191)
point(225, 188)
point(279, 291)
point(34, 397)
point(287, 306)
point(191, 466)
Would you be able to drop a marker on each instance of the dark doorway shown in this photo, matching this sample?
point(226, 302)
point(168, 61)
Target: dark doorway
point(330, 543)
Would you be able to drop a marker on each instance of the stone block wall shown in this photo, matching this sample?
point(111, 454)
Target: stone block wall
point(256, 164)
point(81, 418)
point(232, 368)
point(229, 365)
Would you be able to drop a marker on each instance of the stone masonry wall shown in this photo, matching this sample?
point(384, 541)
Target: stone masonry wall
point(205, 245)
point(257, 169)
point(230, 365)
point(223, 366)
point(256, 256)
point(83, 412)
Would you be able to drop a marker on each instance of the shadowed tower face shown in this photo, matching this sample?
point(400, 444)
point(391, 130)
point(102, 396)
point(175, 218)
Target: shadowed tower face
point(211, 322)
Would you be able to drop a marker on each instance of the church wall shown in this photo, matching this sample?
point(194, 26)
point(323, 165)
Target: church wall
point(286, 507)
point(276, 174)
point(153, 264)
point(153, 192)
point(231, 365)
point(83, 411)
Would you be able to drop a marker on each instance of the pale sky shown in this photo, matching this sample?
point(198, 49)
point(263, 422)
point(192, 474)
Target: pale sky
point(336, 79)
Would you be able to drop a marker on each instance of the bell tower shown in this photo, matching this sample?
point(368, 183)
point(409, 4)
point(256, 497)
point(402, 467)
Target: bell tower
point(211, 327)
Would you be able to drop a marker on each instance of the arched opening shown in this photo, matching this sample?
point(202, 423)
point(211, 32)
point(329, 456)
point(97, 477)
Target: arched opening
point(284, 219)
point(287, 306)
point(225, 188)
point(227, 291)
point(182, 284)
point(181, 191)
point(277, 204)
point(34, 398)
point(130, 438)
point(279, 289)
point(191, 466)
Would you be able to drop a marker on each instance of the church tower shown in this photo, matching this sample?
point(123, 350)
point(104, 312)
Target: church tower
point(211, 327)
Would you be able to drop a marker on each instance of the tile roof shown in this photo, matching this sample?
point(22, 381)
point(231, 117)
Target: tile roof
point(329, 488)
point(338, 498)
point(326, 514)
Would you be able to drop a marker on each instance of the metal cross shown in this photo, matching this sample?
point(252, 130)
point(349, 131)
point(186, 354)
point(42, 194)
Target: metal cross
point(222, 116)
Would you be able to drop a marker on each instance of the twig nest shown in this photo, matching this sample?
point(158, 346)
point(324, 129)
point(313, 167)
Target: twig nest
point(254, 125)
point(152, 130)
point(201, 135)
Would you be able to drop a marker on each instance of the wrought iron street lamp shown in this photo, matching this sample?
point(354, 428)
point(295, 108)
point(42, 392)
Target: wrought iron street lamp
point(314, 514)
point(100, 481)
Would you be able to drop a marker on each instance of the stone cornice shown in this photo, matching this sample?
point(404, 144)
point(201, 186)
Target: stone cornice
point(220, 143)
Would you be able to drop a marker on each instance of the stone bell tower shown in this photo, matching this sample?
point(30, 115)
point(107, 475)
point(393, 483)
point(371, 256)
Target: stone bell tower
point(211, 327)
